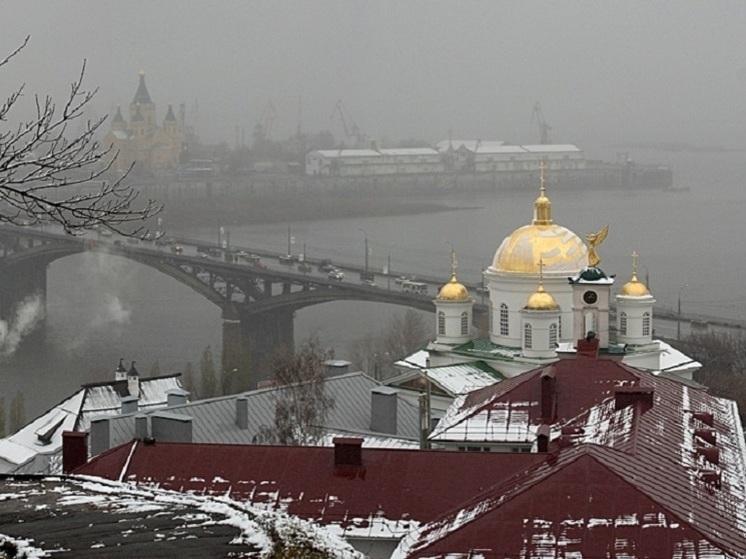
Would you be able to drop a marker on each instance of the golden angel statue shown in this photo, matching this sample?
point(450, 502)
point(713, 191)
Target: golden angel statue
point(595, 239)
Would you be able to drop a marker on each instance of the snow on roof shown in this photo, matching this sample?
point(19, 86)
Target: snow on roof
point(578, 503)
point(672, 360)
point(417, 360)
point(129, 521)
point(43, 435)
point(454, 379)
point(471, 145)
point(393, 491)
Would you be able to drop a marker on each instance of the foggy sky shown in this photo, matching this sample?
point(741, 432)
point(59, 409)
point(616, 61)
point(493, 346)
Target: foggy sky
point(603, 72)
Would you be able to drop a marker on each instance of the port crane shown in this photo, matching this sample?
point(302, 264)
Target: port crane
point(352, 133)
point(263, 128)
point(544, 128)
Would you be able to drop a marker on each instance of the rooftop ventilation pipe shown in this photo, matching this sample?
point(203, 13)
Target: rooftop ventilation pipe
point(242, 413)
point(348, 451)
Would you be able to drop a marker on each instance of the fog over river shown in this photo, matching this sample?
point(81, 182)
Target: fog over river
point(102, 308)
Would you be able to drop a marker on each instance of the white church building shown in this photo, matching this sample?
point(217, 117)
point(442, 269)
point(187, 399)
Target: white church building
point(546, 291)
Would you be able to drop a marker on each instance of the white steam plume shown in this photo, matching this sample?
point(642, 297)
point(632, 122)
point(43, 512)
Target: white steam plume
point(30, 312)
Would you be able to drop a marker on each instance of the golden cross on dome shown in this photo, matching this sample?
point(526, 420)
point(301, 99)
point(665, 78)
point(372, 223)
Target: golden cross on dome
point(634, 263)
point(543, 167)
point(541, 272)
point(454, 264)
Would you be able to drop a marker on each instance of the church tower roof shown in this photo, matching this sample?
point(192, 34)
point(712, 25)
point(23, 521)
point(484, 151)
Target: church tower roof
point(118, 117)
point(453, 290)
point(142, 96)
point(634, 287)
point(170, 114)
point(138, 115)
point(540, 300)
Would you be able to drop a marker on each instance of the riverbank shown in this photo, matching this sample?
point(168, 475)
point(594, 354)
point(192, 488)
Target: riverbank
point(183, 214)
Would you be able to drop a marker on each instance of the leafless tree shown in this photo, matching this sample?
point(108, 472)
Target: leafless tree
point(723, 358)
point(376, 353)
point(49, 175)
point(302, 405)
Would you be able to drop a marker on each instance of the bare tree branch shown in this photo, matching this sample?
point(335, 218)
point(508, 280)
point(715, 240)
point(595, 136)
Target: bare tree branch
point(47, 175)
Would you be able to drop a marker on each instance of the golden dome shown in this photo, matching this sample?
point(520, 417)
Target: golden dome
point(541, 301)
point(453, 291)
point(560, 249)
point(634, 288)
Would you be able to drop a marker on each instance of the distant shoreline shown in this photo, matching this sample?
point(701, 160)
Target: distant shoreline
point(246, 209)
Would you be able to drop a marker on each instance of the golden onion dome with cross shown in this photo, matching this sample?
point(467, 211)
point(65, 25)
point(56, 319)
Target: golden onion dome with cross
point(558, 248)
point(453, 290)
point(634, 287)
point(540, 300)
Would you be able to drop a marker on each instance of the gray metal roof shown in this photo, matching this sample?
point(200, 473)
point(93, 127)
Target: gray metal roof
point(214, 420)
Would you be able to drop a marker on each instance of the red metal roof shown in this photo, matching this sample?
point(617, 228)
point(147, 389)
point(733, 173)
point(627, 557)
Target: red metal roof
point(399, 486)
point(643, 464)
point(584, 504)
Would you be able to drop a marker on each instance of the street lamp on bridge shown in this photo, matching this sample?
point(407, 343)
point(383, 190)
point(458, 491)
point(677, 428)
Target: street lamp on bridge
point(366, 250)
point(678, 321)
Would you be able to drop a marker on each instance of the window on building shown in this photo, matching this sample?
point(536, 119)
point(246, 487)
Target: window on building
point(623, 323)
point(491, 319)
point(441, 323)
point(559, 327)
point(504, 319)
point(646, 324)
point(553, 335)
point(464, 323)
point(527, 337)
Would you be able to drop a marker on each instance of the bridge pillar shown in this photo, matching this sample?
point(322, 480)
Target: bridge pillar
point(251, 342)
point(18, 283)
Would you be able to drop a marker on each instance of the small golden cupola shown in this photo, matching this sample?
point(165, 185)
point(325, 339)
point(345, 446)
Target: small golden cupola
point(634, 287)
point(540, 300)
point(453, 290)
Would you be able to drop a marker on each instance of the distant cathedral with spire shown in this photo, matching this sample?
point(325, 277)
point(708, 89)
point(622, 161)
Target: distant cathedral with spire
point(153, 148)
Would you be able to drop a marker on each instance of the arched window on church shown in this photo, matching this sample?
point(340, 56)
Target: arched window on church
point(464, 323)
point(441, 323)
point(623, 323)
point(504, 319)
point(527, 337)
point(559, 326)
point(553, 335)
point(646, 324)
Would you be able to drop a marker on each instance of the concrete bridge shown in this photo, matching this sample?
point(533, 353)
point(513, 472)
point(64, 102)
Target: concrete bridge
point(257, 302)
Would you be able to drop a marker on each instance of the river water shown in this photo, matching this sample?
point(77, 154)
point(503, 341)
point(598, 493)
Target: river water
point(102, 308)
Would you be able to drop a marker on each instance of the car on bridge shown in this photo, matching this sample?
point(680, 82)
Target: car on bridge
point(401, 279)
point(414, 287)
point(336, 274)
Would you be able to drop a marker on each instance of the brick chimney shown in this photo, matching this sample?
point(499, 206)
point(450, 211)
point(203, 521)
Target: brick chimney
point(548, 383)
point(588, 346)
point(74, 450)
